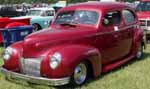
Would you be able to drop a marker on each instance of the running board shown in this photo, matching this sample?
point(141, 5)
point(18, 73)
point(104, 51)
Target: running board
point(113, 65)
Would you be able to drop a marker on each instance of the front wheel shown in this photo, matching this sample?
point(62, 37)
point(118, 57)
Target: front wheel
point(139, 53)
point(80, 74)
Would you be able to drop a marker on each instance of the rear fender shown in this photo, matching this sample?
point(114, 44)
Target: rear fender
point(138, 38)
point(15, 24)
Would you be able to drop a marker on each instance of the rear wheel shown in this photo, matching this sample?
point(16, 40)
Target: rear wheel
point(36, 27)
point(80, 74)
point(139, 53)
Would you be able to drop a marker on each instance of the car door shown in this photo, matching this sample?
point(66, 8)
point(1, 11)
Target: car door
point(108, 37)
point(127, 31)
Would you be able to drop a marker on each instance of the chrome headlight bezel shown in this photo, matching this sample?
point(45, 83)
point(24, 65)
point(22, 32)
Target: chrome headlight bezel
point(55, 60)
point(7, 53)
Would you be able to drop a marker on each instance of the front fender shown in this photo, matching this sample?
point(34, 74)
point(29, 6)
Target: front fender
point(13, 62)
point(72, 55)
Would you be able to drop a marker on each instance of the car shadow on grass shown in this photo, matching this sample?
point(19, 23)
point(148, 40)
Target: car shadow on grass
point(37, 86)
point(132, 61)
point(145, 56)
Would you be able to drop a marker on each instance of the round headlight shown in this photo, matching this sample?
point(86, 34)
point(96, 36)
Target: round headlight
point(55, 60)
point(7, 53)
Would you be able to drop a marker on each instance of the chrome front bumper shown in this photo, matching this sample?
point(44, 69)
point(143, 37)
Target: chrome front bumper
point(36, 80)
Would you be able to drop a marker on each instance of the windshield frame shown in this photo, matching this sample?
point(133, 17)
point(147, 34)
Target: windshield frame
point(35, 14)
point(76, 10)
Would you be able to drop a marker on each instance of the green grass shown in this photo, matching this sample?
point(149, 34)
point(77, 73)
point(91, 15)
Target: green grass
point(133, 75)
point(1, 50)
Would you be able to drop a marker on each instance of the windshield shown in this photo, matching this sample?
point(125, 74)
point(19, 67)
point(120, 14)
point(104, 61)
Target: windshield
point(34, 13)
point(78, 17)
point(143, 6)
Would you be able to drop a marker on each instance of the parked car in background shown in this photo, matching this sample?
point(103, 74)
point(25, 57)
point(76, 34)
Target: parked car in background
point(6, 23)
point(10, 11)
point(40, 17)
point(143, 12)
point(22, 8)
point(84, 41)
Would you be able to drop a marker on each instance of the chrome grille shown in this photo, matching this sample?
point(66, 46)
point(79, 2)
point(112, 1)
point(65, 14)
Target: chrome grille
point(30, 66)
point(145, 22)
point(148, 23)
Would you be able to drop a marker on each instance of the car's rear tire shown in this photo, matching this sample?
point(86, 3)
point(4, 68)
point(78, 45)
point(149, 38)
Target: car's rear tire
point(139, 53)
point(80, 74)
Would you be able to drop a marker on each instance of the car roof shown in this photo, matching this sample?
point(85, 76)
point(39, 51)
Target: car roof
point(42, 8)
point(97, 5)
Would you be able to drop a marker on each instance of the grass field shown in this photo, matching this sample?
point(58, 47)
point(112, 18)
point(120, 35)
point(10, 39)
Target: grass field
point(133, 75)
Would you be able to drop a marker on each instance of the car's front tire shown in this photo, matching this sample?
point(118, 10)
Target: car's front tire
point(80, 74)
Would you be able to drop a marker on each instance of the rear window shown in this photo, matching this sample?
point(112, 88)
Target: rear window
point(129, 16)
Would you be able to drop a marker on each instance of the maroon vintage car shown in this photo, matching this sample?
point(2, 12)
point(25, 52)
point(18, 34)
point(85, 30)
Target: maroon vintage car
point(84, 39)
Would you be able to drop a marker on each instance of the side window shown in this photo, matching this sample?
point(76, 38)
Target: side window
point(50, 13)
point(129, 17)
point(112, 18)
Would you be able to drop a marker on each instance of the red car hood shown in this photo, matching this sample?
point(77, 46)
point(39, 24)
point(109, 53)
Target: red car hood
point(143, 15)
point(43, 40)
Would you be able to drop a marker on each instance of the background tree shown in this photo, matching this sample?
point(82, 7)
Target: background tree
point(48, 1)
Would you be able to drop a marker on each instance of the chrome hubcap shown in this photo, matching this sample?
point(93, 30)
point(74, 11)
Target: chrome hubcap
point(139, 53)
point(80, 73)
point(35, 28)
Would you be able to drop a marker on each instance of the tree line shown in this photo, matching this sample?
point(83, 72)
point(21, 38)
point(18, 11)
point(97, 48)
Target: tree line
point(43, 1)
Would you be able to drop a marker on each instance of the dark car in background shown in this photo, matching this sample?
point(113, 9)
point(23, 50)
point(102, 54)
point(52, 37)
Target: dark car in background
point(10, 11)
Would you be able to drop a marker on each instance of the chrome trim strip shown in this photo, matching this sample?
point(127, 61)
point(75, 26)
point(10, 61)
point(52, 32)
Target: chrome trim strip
point(120, 29)
point(36, 80)
point(145, 19)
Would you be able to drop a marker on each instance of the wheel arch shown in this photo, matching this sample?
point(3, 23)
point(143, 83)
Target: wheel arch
point(95, 65)
point(80, 53)
point(38, 25)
